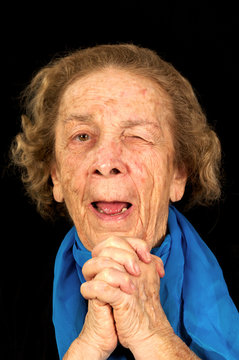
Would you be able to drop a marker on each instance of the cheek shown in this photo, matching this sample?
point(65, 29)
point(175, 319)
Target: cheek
point(153, 174)
point(139, 170)
point(143, 174)
point(72, 175)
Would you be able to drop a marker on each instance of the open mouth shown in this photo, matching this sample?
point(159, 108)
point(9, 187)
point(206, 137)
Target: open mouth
point(113, 208)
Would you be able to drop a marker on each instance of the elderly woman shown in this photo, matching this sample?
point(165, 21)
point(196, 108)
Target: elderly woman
point(111, 136)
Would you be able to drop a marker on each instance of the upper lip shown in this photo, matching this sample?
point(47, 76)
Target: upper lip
point(110, 200)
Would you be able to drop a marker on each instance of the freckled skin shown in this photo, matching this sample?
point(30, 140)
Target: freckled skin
point(143, 154)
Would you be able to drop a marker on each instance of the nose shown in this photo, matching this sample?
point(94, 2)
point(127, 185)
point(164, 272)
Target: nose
point(109, 168)
point(108, 163)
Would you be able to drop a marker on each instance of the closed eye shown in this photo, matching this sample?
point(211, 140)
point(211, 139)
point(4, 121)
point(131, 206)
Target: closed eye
point(136, 137)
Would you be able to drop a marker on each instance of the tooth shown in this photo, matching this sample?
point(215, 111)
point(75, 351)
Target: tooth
point(122, 211)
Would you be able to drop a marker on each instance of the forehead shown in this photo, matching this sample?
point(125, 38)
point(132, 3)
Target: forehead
point(114, 89)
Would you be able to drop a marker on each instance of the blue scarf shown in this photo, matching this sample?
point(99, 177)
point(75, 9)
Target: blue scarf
point(193, 294)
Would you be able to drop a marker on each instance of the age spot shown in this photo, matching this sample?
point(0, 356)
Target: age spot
point(143, 92)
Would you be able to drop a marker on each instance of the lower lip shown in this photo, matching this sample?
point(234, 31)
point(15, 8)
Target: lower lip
point(106, 217)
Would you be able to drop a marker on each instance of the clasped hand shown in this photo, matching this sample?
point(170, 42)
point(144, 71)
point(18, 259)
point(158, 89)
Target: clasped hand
point(122, 286)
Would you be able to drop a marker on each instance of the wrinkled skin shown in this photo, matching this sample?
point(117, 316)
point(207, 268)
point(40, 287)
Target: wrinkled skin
point(132, 293)
point(114, 143)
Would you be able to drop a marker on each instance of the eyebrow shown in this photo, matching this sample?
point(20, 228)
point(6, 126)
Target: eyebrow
point(80, 118)
point(140, 122)
point(127, 124)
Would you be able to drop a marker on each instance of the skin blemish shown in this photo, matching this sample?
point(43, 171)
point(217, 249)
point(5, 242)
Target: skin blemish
point(110, 102)
point(143, 92)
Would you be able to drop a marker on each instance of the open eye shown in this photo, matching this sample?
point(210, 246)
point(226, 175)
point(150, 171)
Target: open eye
point(82, 137)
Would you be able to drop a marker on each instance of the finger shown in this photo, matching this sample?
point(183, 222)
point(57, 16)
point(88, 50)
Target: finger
point(128, 259)
point(130, 244)
point(141, 248)
point(112, 241)
point(117, 279)
point(159, 265)
point(95, 265)
point(102, 291)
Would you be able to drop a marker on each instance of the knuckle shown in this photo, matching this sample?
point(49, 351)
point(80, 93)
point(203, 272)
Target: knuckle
point(97, 286)
point(107, 272)
point(105, 275)
point(83, 288)
point(111, 241)
point(90, 267)
point(105, 252)
point(127, 279)
point(85, 268)
point(144, 245)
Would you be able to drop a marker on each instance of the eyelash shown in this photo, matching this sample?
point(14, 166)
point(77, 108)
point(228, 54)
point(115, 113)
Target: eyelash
point(137, 137)
point(81, 137)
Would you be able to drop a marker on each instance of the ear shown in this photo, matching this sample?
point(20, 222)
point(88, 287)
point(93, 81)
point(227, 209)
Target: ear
point(57, 188)
point(178, 184)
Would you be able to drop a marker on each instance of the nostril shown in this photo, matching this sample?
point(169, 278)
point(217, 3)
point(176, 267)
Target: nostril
point(97, 172)
point(114, 171)
point(104, 171)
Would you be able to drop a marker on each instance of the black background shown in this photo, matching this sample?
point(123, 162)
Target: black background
point(201, 40)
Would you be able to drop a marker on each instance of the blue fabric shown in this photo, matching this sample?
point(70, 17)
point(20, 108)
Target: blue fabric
point(193, 293)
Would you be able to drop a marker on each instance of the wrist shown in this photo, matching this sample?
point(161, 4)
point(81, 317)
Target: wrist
point(154, 344)
point(163, 347)
point(82, 349)
point(152, 347)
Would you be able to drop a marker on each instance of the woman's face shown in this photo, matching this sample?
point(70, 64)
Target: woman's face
point(114, 163)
